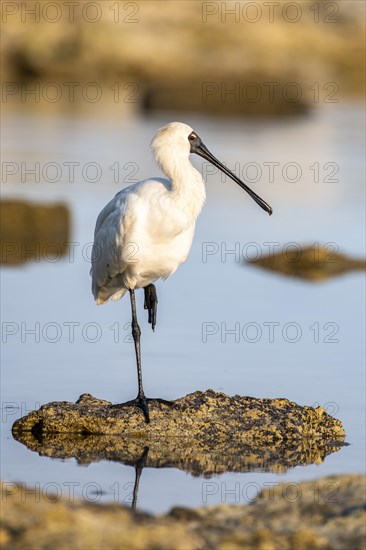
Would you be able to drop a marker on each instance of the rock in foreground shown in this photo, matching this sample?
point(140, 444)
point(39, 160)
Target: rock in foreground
point(327, 513)
point(202, 433)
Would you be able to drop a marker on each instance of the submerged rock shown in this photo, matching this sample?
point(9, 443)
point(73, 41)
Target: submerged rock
point(187, 95)
point(314, 263)
point(33, 232)
point(319, 514)
point(202, 433)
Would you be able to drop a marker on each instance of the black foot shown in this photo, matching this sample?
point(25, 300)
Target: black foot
point(151, 302)
point(142, 403)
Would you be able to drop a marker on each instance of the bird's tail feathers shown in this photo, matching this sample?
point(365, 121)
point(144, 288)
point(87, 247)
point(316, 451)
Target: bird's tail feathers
point(104, 294)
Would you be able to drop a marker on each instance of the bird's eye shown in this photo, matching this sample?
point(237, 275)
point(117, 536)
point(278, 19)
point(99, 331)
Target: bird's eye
point(192, 137)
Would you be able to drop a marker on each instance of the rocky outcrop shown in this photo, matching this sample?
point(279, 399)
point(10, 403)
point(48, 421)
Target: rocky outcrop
point(201, 433)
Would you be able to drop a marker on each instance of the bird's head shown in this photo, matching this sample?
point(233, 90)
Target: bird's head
point(178, 140)
point(171, 139)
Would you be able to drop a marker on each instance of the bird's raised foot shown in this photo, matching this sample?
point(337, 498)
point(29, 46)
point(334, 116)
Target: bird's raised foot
point(142, 403)
point(151, 303)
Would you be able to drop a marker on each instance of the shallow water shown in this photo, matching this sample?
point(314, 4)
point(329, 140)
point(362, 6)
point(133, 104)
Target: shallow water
point(292, 339)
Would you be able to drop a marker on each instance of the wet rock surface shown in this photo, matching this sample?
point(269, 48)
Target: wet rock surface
point(209, 414)
point(312, 263)
point(328, 513)
point(202, 433)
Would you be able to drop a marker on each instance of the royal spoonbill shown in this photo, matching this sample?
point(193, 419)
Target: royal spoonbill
point(145, 232)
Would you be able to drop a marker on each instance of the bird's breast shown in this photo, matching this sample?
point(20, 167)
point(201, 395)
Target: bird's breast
point(157, 256)
point(159, 229)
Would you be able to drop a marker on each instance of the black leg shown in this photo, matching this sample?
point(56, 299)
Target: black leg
point(151, 302)
point(136, 333)
point(141, 400)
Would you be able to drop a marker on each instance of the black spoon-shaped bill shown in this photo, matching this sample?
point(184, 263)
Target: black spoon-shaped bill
point(200, 149)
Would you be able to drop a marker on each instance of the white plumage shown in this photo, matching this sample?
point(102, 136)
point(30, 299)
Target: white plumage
point(145, 232)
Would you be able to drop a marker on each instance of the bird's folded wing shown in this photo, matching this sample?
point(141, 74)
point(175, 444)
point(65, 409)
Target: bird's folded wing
point(108, 257)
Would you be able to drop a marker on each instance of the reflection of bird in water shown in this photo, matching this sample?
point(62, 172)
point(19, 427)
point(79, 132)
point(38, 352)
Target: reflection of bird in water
point(146, 231)
point(139, 466)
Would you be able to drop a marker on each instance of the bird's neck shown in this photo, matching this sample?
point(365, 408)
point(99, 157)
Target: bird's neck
point(188, 189)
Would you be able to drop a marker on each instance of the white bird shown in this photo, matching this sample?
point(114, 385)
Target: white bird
point(145, 232)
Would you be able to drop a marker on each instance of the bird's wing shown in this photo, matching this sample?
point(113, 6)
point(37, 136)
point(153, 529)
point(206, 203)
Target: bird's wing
point(108, 254)
point(116, 234)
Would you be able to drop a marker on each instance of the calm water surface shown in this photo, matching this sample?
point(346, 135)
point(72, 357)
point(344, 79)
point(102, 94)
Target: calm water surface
point(315, 354)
